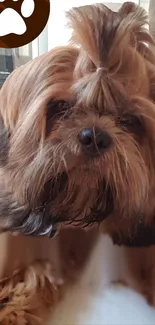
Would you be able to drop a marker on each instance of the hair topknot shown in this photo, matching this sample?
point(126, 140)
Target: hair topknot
point(98, 31)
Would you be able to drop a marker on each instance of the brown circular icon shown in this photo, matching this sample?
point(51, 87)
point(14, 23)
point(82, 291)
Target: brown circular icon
point(21, 21)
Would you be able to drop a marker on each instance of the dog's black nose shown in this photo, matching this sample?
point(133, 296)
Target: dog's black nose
point(94, 141)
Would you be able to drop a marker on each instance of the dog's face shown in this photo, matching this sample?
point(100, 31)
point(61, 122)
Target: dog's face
point(78, 128)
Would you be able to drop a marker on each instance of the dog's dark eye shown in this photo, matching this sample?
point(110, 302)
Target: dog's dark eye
point(132, 123)
point(54, 111)
point(55, 108)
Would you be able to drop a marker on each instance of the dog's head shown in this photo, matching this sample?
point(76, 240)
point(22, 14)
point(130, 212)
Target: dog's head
point(78, 127)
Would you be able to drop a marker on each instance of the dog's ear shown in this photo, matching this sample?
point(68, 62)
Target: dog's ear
point(135, 19)
point(130, 8)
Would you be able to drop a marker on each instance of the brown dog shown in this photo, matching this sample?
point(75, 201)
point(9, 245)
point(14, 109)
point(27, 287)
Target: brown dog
point(78, 130)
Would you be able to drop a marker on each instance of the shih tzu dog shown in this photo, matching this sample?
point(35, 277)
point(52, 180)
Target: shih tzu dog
point(78, 130)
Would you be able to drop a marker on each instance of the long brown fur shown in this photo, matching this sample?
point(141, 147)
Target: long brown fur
point(35, 273)
point(29, 295)
point(104, 79)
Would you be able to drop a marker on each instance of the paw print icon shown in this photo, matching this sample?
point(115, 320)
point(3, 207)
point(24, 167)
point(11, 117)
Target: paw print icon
point(21, 21)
